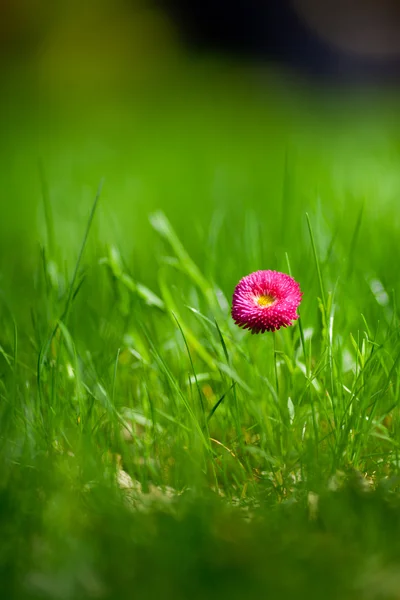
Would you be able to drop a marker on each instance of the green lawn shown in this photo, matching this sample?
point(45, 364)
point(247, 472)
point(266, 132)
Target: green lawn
point(149, 448)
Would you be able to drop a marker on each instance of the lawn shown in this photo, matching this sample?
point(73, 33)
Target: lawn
point(149, 447)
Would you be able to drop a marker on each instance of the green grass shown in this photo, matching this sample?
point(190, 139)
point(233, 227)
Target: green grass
point(150, 448)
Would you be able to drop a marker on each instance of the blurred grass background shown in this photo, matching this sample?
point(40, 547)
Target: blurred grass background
point(106, 90)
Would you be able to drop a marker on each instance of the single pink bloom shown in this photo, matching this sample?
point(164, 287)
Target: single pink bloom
point(266, 301)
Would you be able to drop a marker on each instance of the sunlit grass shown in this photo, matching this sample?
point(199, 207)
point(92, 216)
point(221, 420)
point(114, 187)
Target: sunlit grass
point(150, 446)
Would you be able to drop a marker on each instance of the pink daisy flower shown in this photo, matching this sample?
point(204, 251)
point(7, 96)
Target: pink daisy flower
point(266, 301)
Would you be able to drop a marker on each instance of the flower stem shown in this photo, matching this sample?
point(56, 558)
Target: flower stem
point(275, 365)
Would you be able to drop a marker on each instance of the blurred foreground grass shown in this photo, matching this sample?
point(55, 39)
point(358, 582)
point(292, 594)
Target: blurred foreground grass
point(116, 478)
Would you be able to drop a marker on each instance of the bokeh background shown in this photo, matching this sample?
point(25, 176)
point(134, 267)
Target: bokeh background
point(188, 107)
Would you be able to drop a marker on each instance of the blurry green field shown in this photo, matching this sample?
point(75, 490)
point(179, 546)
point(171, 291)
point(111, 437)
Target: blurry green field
point(118, 479)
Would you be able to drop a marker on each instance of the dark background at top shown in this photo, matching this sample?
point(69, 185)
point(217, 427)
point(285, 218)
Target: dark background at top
point(271, 30)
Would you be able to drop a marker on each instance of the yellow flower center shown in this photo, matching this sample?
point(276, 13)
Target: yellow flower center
point(265, 300)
